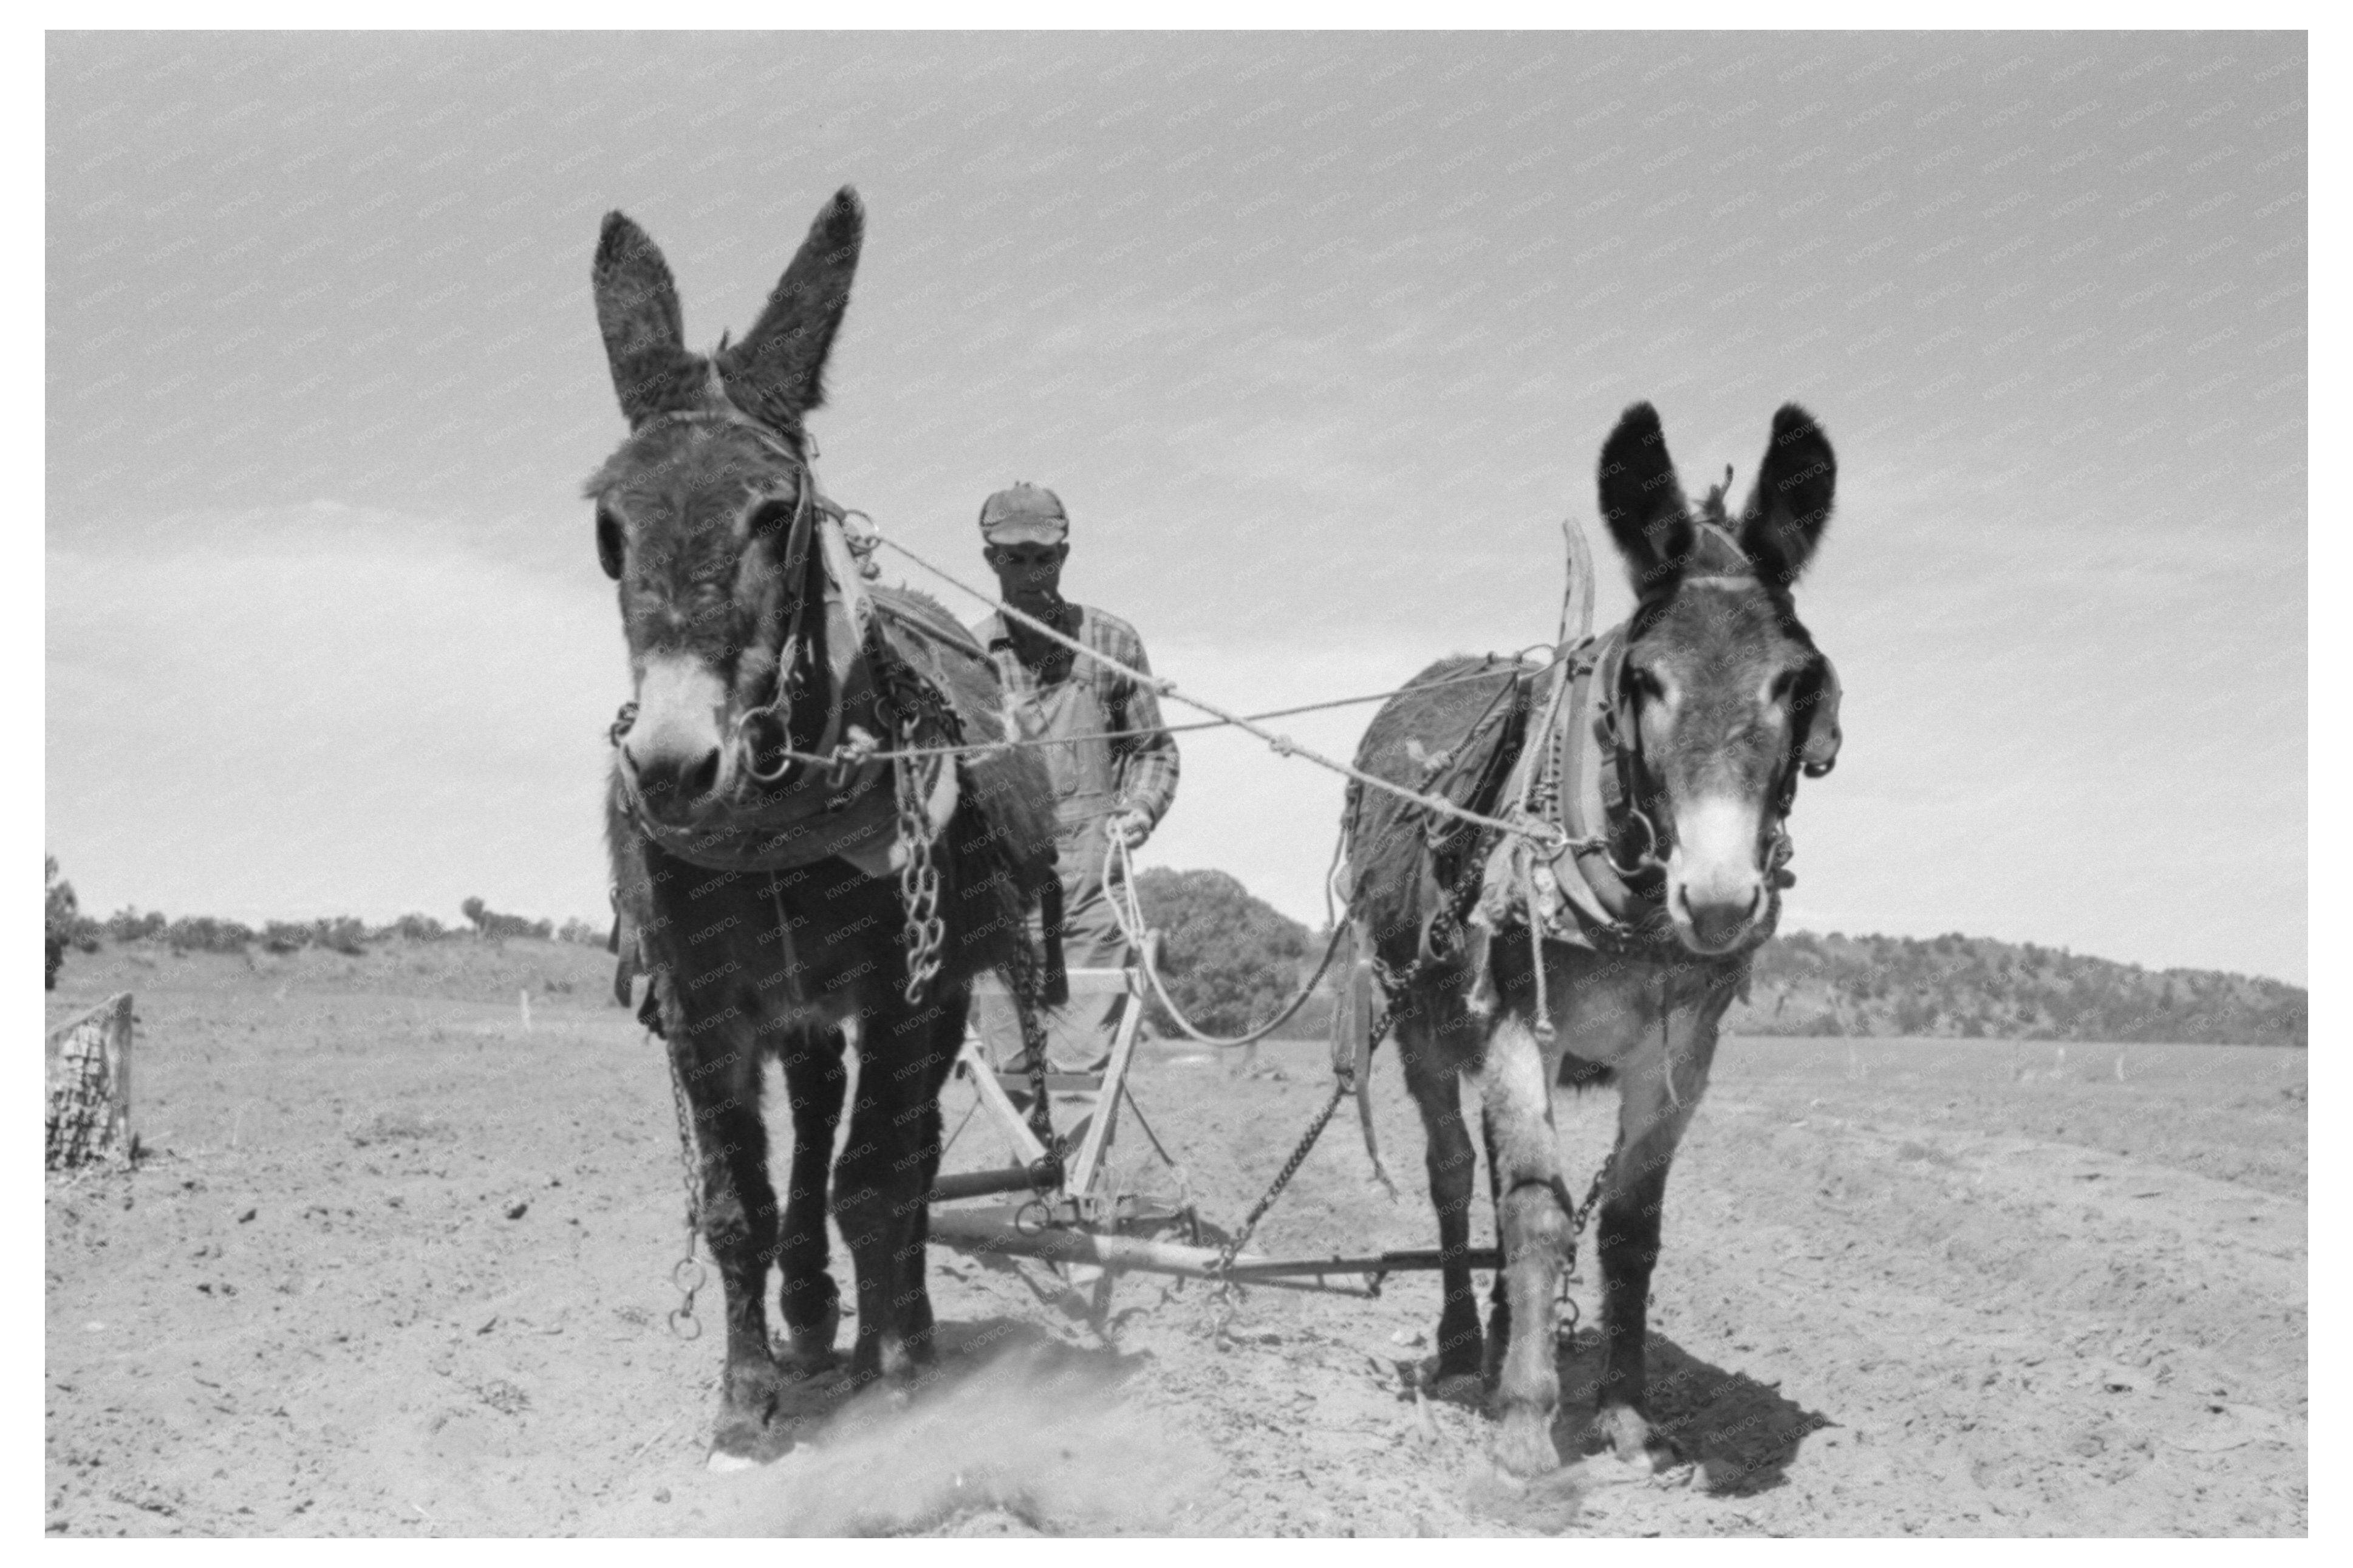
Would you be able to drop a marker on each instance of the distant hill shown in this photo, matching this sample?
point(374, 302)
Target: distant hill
point(1229, 960)
point(1232, 958)
point(1955, 986)
point(558, 975)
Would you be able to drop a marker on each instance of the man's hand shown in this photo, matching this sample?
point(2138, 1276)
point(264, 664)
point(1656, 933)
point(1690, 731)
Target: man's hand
point(1129, 828)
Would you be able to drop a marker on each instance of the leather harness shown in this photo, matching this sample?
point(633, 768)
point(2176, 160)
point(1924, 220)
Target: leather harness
point(1578, 768)
point(794, 820)
point(1575, 770)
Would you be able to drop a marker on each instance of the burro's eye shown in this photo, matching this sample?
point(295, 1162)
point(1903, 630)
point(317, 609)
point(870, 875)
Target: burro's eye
point(772, 517)
point(611, 543)
point(1647, 681)
point(1781, 685)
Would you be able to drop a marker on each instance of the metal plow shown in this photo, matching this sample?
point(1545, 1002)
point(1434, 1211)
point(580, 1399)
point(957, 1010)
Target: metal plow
point(1081, 1227)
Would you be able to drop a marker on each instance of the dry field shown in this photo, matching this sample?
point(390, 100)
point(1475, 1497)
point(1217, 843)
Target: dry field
point(397, 1267)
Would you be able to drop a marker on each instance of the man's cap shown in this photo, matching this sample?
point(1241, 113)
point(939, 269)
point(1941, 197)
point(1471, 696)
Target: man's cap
point(1026, 514)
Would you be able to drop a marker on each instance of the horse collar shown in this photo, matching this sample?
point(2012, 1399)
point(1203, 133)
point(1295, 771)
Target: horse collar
point(1583, 759)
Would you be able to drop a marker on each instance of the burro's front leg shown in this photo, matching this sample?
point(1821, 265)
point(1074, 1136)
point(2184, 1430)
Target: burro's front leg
point(1653, 1113)
point(718, 1068)
point(1515, 1097)
point(816, 1078)
point(1432, 1076)
point(881, 1185)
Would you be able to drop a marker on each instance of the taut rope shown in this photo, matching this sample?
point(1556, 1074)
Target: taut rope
point(1282, 746)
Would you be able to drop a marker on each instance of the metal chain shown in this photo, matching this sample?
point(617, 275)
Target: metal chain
point(1445, 926)
point(917, 774)
point(1343, 1087)
point(1047, 1173)
point(1439, 943)
point(919, 877)
point(1029, 987)
point(910, 700)
point(1579, 1216)
point(687, 1275)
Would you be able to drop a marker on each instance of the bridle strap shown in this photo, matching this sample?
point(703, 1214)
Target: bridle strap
point(811, 511)
point(1584, 756)
point(1621, 780)
point(798, 543)
point(1623, 726)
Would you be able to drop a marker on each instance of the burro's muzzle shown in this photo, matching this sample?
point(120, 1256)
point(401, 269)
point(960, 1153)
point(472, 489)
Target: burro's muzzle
point(1717, 885)
point(675, 746)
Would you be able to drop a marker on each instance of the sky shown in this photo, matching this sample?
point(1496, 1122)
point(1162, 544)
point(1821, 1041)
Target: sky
point(1317, 336)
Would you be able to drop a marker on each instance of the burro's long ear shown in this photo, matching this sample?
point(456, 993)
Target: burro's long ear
point(1642, 502)
point(1790, 505)
point(636, 306)
point(1817, 720)
point(777, 371)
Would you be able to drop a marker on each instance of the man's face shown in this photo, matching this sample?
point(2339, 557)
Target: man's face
point(1027, 572)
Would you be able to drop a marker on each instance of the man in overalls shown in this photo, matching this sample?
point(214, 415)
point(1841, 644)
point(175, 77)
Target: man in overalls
point(1114, 769)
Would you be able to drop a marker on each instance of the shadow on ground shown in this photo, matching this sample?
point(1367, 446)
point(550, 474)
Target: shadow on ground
point(1741, 1433)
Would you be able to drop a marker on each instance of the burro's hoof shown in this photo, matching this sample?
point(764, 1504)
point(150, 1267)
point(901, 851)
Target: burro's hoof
point(723, 1463)
point(1635, 1442)
point(1460, 1387)
point(803, 1361)
point(749, 1432)
point(811, 1349)
point(1524, 1443)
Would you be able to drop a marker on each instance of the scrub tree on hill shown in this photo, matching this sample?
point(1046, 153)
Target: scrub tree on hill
point(1229, 960)
point(490, 923)
point(61, 913)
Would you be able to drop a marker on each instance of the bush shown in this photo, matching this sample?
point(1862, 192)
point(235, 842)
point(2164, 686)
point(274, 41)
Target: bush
point(341, 933)
point(490, 923)
point(1230, 961)
point(416, 927)
point(127, 925)
point(60, 914)
point(581, 931)
point(202, 933)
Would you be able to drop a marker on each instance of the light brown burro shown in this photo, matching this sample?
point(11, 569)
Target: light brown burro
point(1667, 754)
point(765, 863)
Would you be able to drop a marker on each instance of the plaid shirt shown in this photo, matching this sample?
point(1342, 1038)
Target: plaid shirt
point(1144, 755)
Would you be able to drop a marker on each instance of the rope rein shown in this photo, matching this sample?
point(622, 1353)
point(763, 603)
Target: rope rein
point(1014, 743)
point(1127, 909)
point(1282, 746)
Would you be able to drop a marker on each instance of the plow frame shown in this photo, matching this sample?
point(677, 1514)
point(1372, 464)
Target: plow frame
point(1081, 1229)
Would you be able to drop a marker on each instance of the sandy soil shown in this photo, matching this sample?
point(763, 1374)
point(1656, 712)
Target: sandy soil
point(397, 1267)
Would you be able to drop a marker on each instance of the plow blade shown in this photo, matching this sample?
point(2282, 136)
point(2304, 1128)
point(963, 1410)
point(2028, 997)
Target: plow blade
point(1407, 1262)
point(980, 1184)
point(973, 1231)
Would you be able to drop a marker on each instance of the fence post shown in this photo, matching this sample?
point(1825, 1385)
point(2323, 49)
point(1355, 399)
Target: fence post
point(89, 1072)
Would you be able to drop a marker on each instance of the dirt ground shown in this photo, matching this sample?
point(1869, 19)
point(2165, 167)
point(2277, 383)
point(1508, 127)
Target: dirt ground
point(396, 1265)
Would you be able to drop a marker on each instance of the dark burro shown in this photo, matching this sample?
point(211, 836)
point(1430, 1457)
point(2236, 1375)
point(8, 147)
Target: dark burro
point(1596, 924)
point(776, 877)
